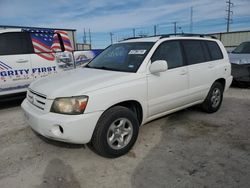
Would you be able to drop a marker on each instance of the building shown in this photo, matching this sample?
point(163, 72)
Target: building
point(232, 39)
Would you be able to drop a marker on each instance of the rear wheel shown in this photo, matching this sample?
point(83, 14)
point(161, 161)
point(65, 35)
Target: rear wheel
point(116, 132)
point(214, 98)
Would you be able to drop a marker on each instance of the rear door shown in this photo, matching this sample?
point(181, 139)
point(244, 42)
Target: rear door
point(201, 69)
point(168, 90)
point(15, 64)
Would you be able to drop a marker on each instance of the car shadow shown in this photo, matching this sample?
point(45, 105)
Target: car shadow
point(59, 143)
point(10, 102)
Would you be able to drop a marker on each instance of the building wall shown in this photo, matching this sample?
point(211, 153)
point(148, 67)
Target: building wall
point(81, 46)
point(233, 39)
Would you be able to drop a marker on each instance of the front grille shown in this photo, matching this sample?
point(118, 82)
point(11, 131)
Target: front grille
point(37, 99)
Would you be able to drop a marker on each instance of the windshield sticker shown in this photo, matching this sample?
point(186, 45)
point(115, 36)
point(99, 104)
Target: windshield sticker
point(137, 52)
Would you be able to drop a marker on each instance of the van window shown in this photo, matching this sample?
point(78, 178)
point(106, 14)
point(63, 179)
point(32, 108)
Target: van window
point(15, 43)
point(215, 51)
point(171, 52)
point(194, 51)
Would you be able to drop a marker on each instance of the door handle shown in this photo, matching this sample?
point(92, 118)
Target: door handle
point(210, 65)
point(22, 61)
point(183, 72)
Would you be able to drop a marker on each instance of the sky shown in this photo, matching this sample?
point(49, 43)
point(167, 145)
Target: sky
point(121, 17)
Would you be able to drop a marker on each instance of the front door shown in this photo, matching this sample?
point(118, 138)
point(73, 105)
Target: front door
point(168, 90)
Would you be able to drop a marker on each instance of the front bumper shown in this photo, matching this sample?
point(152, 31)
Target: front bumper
point(241, 73)
point(76, 129)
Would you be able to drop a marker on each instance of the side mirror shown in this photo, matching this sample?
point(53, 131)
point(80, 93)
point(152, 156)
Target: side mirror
point(158, 66)
point(60, 42)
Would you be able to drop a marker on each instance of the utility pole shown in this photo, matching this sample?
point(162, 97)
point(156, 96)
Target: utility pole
point(155, 30)
point(133, 32)
point(191, 20)
point(175, 27)
point(90, 38)
point(229, 13)
point(111, 37)
point(84, 36)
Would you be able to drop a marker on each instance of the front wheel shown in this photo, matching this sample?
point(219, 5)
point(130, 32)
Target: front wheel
point(116, 132)
point(214, 98)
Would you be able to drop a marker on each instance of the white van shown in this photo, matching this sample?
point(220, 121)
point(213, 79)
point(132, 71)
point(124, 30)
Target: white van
point(27, 54)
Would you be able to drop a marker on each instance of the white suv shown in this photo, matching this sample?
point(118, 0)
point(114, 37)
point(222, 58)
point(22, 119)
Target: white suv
point(127, 85)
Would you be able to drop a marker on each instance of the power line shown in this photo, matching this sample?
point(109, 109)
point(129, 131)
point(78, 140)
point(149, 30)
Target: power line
point(229, 13)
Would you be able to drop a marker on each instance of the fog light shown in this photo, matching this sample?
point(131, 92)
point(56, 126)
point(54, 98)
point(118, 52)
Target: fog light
point(57, 130)
point(61, 129)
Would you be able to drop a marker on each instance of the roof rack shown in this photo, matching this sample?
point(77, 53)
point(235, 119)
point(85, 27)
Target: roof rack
point(188, 35)
point(129, 38)
point(173, 34)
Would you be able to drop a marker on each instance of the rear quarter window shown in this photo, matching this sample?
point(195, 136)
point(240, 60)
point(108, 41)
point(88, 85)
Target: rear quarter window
point(214, 50)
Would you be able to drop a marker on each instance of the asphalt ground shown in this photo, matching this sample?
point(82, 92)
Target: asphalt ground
point(186, 149)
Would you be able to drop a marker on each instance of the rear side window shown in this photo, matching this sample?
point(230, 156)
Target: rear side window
point(214, 50)
point(15, 43)
point(171, 52)
point(194, 51)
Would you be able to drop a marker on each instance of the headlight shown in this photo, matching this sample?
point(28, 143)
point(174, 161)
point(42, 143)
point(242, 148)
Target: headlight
point(70, 105)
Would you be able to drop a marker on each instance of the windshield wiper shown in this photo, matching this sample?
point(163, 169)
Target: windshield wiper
point(104, 68)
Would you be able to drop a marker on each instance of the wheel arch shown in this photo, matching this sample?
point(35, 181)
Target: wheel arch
point(134, 106)
point(222, 81)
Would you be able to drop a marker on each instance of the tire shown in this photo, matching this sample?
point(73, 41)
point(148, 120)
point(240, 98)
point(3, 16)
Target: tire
point(214, 98)
point(115, 133)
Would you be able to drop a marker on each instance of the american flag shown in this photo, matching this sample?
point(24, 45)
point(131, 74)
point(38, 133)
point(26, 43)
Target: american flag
point(45, 42)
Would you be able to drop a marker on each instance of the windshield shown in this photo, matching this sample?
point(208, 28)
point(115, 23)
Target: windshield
point(243, 48)
point(125, 57)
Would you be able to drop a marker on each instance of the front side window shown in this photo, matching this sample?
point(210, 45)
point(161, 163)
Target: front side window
point(15, 43)
point(194, 51)
point(243, 48)
point(169, 51)
point(125, 57)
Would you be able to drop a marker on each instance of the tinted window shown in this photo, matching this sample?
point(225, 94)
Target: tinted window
point(194, 52)
point(205, 51)
point(243, 48)
point(15, 43)
point(171, 52)
point(215, 51)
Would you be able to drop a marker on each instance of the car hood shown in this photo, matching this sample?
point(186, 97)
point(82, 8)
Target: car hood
point(239, 58)
point(78, 82)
